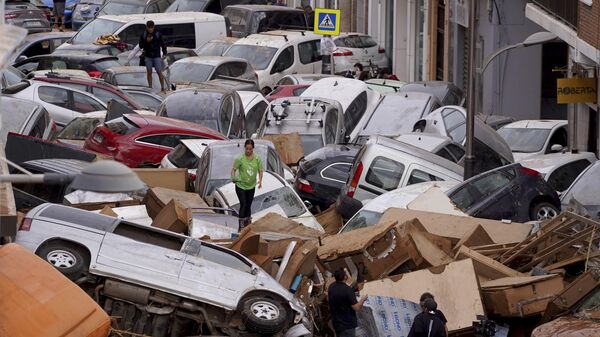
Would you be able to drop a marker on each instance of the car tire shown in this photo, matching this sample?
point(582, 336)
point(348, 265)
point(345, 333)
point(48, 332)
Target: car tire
point(69, 259)
point(543, 211)
point(263, 315)
point(265, 91)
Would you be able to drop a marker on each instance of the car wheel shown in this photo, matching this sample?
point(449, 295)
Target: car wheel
point(71, 260)
point(263, 315)
point(543, 211)
point(265, 91)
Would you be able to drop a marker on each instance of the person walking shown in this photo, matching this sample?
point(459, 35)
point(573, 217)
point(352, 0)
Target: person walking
point(343, 306)
point(59, 13)
point(426, 323)
point(248, 166)
point(327, 46)
point(151, 42)
point(438, 313)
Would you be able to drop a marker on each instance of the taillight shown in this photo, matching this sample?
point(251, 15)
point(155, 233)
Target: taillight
point(529, 172)
point(94, 73)
point(304, 186)
point(342, 52)
point(10, 16)
point(193, 177)
point(355, 180)
point(25, 225)
point(381, 50)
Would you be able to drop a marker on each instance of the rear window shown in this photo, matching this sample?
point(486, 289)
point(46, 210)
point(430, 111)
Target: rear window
point(237, 18)
point(356, 41)
point(213, 49)
point(271, 20)
point(121, 126)
point(19, 5)
point(79, 128)
point(182, 157)
point(79, 217)
point(102, 65)
point(385, 173)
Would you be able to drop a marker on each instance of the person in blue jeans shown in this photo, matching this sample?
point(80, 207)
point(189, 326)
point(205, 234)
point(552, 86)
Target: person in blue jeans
point(151, 42)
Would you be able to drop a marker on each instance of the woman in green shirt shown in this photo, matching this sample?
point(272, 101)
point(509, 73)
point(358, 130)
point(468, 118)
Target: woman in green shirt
point(248, 165)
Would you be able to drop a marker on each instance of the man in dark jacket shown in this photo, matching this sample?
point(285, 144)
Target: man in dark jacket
point(427, 324)
point(151, 43)
point(343, 306)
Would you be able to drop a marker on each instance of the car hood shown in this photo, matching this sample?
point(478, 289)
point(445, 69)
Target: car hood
point(518, 156)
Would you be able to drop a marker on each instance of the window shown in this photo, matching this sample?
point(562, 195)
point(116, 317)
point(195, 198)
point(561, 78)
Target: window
point(564, 176)
point(182, 157)
point(254, 117)
point(84, 104)
point(418, 176)
point(79, 217)
point(331, 123)
point(131, 35)
point(28, 66)
point(54, 96)
point(385, 173)
point(150, 236)
point(81, 87)
point(456, 151)
point(559, 137)
point(299, 91)
point(356, 41)
point(482, 188)
point(309, 51)
point(216, 255)
point(226, 114)
point(231, 69)
point(145, 100)
point(105, 96)
point(165, 140)
point(338, 172)
point(455, 124)
point(163, 5)
point(284, 61)
point(273, 161)
point(355, 111)
point(285, 81)
point(237, 18)
point(179, 35)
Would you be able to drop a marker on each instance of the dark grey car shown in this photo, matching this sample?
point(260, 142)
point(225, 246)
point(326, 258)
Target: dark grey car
point(583, 195)
point(251, 19)
point(200, 69)
point(446, 92)
point(104, 49)
point(41, 44)
point(26, 15)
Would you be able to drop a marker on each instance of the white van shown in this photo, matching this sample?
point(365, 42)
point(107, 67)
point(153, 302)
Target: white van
point(186, 29)
point(278, 53)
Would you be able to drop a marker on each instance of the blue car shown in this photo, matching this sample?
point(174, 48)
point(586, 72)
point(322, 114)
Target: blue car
point(85, 11)
point(69, 6)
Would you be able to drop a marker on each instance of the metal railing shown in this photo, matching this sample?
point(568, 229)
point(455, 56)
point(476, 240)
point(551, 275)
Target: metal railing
point(564, 10)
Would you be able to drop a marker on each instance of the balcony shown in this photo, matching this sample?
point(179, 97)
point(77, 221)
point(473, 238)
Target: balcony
point(564, 10)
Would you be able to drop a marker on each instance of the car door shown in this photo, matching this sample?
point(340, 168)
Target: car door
point(254, 116)
point(332, 127)
point(83, 102)
point(309, 56)
point(140, 253)
point(57, 101)
point(283, 65)
point(383, 175)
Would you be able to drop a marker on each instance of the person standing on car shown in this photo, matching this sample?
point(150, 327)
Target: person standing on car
point(343, 305)
point(426, 323)
point(151, 42)
point(59, 12)
point(248, 166)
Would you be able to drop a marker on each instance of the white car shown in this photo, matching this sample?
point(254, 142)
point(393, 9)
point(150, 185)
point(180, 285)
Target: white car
point(63, 103)
point(278, 53)
point(444, 147)
point(275, 196)
point(373, 209)
point(528, 138)
point(303, 78)
point(356, 98)
point(560, 169)
point(355, 48)
point(255, 106)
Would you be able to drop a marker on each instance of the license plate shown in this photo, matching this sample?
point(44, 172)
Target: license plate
point(33, 24)
point(98, 138)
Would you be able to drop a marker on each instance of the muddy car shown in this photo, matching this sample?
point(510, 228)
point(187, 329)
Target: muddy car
point(161, 283)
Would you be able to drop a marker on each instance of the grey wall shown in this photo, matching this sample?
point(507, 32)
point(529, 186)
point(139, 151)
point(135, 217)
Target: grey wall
point(512, 83)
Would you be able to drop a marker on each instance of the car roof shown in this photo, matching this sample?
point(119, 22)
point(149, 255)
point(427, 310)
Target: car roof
point(426, 141)
point(165, 18)
point(335, 151)
point(170, 123)
point(537, 124)
point(91, 57)
point(249, 97)
point(197, 146)
point(87, 46)
point(211, 60)
point(276, 38)
point(62, 166)
point(308, 78)
point(92, 81)
point(342, 89)
point(404, 195)
point(548, 162)
point(416, 152)
point(262, 8)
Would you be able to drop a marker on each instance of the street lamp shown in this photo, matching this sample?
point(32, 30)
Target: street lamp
point(531, 40)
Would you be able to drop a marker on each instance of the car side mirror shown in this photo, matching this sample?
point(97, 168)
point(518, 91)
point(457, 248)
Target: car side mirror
point(556, 148)
point(308, 204)
point(21, 58)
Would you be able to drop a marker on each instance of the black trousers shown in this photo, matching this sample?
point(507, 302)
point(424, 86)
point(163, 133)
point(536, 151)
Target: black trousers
point(245, 197)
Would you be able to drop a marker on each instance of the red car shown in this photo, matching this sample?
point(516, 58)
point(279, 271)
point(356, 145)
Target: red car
point(142, 141)
point(102, 90)
point(286, 91)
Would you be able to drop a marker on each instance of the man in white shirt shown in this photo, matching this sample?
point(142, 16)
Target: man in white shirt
point(327, 47)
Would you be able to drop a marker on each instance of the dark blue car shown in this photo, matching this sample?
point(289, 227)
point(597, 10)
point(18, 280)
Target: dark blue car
point(69, 5)
point(510, 192)
point(85, 11)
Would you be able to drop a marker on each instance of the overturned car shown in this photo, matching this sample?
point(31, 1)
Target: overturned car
point(160, 283)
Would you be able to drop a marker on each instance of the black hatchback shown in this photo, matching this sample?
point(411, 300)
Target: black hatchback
point(322, 174)
point(93, 64)
point(511, 192)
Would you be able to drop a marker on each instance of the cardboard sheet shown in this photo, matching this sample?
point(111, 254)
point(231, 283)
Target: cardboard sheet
point(288, 146)
point(454, 286)
point(275, 223)
point(173, 178)
point(434, 200)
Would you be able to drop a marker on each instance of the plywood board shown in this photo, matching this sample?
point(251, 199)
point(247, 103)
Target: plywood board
point(289, 147)
point(476, 237)
point(275, 223)
point(456, 227)
point(454, 286)
point(173, 178)
point(433, 255)
point(343, 244)
point(434, 200)
point(485, 266)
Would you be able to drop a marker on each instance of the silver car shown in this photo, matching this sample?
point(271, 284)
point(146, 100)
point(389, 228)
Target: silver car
point(26, 15)
point(147, 276)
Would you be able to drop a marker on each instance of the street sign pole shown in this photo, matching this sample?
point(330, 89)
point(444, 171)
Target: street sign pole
point(471, 105)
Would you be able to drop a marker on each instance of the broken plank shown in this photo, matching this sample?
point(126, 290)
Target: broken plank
point(477, 237)
point(485, 266)
point(428, 250)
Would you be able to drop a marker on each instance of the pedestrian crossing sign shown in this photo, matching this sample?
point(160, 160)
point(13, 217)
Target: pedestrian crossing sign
point(327, 21)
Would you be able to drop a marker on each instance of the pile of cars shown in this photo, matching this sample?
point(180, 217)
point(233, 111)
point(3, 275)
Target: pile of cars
point(328, 143)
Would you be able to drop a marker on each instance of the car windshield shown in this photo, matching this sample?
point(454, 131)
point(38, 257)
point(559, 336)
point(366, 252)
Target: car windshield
point(362, 219)
point(258, 56)
point(182, 157)
point(136, 80)
point(524, 139)
point(585, 190)
point(213, 48)
point(188, 6)
point(120, 8)
point(392, 118)
point(283, 197)
point(203, 109)
point(190, 72)
point(97, 27)
point(79, 128)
